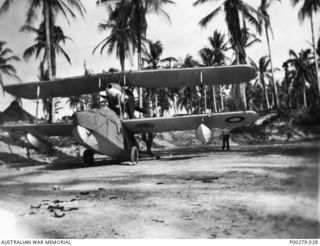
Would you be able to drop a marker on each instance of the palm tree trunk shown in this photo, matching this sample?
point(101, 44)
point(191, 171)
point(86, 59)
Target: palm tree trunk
point(221, 98)
point(156, 104)
point(214, 99)
point(240, 60)
point(205, 98)
point(304, 95)
point(315, 52)
point(266, 96)
point(265, 92)
point(140, 88)
point(272, 71)
point(150, 92)
point(137, 4)
point(46, 7)
point(243, 85)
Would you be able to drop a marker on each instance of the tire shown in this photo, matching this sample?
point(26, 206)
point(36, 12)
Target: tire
point(88, 157)
point(134, 155)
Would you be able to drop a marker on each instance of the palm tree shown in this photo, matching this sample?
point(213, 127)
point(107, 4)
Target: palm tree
point(6, 68)
point(308, 9)
point(263, 74)
point(49, 9)
point(303, 73)
point(121, 37)
point(138, 21)
point(288, 80)
point(232, 10)
point(152, 57)
point(214, 55)
point(264, 21)
point(189, 97)
point(39, 47)
point(247, 40)
point(153, 54)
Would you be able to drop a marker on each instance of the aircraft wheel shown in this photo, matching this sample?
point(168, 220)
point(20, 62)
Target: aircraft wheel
point(134, 155)
point(88, 156)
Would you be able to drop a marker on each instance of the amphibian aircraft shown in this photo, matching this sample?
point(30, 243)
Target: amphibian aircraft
point(107, 131)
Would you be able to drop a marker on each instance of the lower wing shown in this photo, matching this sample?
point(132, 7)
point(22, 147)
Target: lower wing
point(57, 129)
point(191, 122)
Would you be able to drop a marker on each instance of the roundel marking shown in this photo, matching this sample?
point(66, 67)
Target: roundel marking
point(235, 119)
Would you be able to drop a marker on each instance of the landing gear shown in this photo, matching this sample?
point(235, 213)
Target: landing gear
point(88, 157)
point(134, 155)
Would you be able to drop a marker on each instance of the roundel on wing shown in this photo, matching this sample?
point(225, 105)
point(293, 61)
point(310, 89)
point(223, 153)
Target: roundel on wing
point(144, 125)
point(235, 119)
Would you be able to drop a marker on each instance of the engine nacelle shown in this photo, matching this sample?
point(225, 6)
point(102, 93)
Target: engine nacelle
point(38, 143)
point(114, 91)
point(204, 134)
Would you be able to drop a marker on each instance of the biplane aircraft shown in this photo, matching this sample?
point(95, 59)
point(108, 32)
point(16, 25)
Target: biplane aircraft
point(111, 130)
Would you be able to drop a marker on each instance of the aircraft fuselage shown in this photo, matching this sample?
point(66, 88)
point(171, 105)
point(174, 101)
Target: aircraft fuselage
point(101, 131)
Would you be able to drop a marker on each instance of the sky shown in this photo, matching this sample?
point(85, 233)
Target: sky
point(181, 36)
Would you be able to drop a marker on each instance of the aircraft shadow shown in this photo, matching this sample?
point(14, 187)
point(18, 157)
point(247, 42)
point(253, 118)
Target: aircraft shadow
point(179, 158)
point(18, 161)
point(76, 164)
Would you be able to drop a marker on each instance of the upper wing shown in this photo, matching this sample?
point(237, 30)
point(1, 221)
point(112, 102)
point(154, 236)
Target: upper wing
point(145, 78)
point(58, 129)
point(190, 122)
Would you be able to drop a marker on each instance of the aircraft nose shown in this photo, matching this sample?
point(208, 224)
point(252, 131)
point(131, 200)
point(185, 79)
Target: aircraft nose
point(80, 134)
point(83, 118)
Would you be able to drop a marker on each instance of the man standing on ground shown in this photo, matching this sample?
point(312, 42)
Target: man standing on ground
point(225, 139)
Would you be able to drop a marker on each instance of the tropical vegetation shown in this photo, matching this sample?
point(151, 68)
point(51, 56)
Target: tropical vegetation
point(125, 35)
point(6, 66)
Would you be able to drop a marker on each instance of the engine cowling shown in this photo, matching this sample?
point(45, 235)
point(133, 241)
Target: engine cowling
point(39, 143)
point(204, 134)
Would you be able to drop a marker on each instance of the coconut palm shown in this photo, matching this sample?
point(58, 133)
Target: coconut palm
point(121, 36)
point(303, 73)
point(138, 21)
point(39, 47)
point(265, 23)
point(152, 57)
point(263, 74)
point(247, 40)
point(308, 9)
point(6, 68)
point(214, 55)
point(189, 97)
point(288, 80)
point(49, 10)
point(232, 10)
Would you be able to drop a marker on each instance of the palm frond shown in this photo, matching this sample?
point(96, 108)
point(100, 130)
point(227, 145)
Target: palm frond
point(204, 22)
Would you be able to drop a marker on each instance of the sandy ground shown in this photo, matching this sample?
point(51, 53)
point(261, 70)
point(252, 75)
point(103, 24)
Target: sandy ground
point(267, 191)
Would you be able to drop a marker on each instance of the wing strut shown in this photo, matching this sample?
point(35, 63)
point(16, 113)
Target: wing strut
point(204, 91)
point(37, 108)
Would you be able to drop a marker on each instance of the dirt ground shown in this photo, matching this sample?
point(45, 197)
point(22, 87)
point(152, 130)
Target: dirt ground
point(266, 191)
